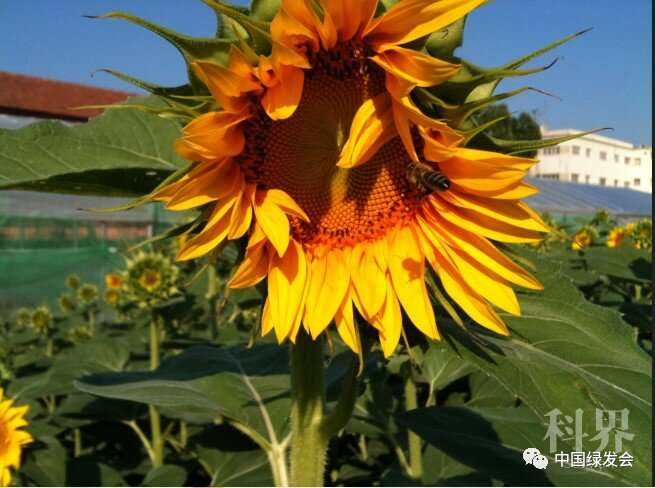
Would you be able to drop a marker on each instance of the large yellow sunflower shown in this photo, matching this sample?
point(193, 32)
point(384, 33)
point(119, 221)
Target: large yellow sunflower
point(313, 156)
point(12, 439)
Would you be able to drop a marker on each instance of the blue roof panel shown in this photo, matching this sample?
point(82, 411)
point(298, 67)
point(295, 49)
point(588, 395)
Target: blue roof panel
point(575, 198)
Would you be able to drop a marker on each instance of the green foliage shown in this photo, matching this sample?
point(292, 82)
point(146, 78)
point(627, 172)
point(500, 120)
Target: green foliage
point(124, 152)
point(510, 127)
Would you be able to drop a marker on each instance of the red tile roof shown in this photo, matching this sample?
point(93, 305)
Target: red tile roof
point(41, 97)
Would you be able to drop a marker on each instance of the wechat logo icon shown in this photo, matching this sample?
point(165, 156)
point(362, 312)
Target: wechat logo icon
point(534, 457)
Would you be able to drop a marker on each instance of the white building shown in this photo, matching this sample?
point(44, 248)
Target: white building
point(595, 160)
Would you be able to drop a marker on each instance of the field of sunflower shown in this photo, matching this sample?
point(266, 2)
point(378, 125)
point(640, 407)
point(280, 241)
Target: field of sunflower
point(355, 293)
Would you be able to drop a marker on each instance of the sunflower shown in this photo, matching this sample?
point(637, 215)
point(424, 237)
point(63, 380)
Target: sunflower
point(12, 438)
point(150, 280)
point(583, 238)
point(342, 186)
point(113, 281)
point(616, 236)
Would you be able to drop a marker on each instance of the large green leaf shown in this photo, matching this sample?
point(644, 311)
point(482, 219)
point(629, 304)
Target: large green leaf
point(236, 468)
point(490, 442)
point(568, 354)
point(125, 151)
point(203, 384)
point(624, 263)
point(100, 354)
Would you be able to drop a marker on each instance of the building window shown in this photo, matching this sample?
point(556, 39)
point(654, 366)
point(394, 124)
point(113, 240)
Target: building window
point(550, 176)
point(586, 179)
point(637, 182)
point(626, 184)
point(627, 160)
point(551, 150)
point(575, 177)
point(576, 150)
point(616, 158)
point(603, 156)
point(603, 182)
point(616, 182)
point(588, 152)
point(637, 161)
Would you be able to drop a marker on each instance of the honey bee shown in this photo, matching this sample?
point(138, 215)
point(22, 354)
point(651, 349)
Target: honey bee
point(426, 179)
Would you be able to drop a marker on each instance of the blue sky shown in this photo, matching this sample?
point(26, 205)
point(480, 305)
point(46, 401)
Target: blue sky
point(603, 79)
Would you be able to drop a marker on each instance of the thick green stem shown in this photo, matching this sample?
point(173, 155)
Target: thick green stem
point(77, 443)
point(50, 347)
point(308, 442)
point(212, 299)
point(414, 441)
point(92, 322)
point(156, 439)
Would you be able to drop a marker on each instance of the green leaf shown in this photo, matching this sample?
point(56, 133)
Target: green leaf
point(100, 354)
point(486, 391)
point(566, 353)
point(247, 386)
point(624, 263)
point(122, 152)
point(475, 82)
point(490, 143)
point(166, 475)
point(440, 367)
point(491, 441)
point(265, 10)
point(191, 48)
point(442, 44)
point(237, 468)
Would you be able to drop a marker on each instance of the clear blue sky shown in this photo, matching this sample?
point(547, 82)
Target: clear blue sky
point(604, 78)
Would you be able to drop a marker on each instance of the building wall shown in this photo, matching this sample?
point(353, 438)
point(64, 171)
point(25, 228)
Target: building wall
point(596, 160)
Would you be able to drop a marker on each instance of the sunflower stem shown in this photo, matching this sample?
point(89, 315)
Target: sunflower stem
point(212, 298)
point(156, 439)
point(309, 441)
point(413, 441)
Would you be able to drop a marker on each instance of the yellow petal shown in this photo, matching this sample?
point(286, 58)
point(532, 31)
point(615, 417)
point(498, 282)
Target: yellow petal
point(226, 86)
point(212, 136)
point(414, 67)
point(346, 326)
point(516, 192)
point(242, 214)
point(405, 111)
point(486, 283)
point(294, 26)
point(390, 321)
point(369, 284)
point(281, 100)
point(480, 250)
point(481, 224)
point(409, 20)
point(224, 180)
point(371, 128)
point(287, 280)
point(267, 318)
point(407, 267)
point(496, 159)
point(470, 301)
point(511, 212)
point(286, 203)
point(212, 235)
point(273, 221)
point(252, 269)
point(350, 17)
point(479, 176)
point(285, 56)
point(329, 282)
